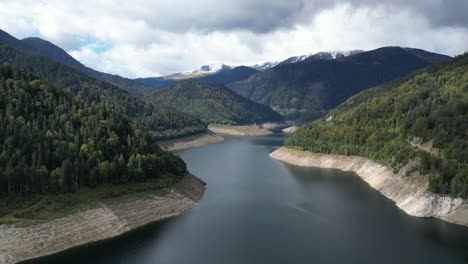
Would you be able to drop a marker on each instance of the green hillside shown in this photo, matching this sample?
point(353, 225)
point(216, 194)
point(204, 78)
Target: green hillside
point(307, 90)
point(53, 142)
point(422, 118)
point(163, 122)
point(229, 76)
point(213, 104)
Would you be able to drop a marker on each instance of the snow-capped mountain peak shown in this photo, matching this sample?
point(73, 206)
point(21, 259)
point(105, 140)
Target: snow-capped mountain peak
point(199, 72)
point(323, 55)
point(265, 65)
point(337, 54)
point(212, 68)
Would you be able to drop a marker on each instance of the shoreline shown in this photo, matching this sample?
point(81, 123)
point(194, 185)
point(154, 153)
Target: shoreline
point(290, 130)
point(409, 193)
point(240, 130)
point(19, 243)
point(273, 126)
point(193, 141)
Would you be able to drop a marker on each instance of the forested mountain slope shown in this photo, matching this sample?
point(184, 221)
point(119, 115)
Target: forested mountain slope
point(162, 121)
point(422, 118)
point(221, 77)
point(155, 81)
point(38, 46)
point(214, 104)
point(229, 76)
point(307, 90)
point(51, 141)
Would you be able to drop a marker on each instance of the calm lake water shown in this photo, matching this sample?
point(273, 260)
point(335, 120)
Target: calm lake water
point(259, 210)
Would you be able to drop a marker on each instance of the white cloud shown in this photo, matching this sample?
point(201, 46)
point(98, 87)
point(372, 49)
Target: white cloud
point(160, 37)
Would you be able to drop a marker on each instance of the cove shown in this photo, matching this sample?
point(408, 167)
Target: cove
point(259, 210)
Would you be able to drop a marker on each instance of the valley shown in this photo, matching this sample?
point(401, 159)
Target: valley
point(111, 151)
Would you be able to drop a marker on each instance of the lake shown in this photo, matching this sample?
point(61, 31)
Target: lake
point(259, 210)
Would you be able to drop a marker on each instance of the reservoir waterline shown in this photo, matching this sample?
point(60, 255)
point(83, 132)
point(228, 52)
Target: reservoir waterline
point(260, 210)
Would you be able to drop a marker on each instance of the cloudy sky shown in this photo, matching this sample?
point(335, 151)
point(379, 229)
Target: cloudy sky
point(150, 38)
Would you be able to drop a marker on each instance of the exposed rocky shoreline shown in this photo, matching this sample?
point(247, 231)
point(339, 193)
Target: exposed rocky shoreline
point(290, 130)
point(240, 130)
point(410, 193)
point(191, 141)
point(19, 243)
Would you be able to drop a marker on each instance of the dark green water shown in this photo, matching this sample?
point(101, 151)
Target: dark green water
point(258, 210)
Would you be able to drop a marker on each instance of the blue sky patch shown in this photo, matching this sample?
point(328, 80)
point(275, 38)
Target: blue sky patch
point(93, 44)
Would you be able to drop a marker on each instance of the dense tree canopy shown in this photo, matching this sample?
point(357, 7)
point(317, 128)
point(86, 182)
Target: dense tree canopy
point(52, 141)
point(213, 103)
point(422, 118)
point(162, 121)
point(229, 76)
point(307, 90)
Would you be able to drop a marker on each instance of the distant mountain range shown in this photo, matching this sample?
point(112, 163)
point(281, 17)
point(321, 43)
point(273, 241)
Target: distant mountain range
point(324, 55)
point(224, 74)
point(155, 82)
point(215, 103)
point(197, 73)
point(229, 76)
point(217, 73)
point(301, 88)
point(307, 89)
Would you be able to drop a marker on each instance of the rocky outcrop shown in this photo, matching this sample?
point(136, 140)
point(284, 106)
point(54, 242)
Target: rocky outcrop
point(19, 243)
point(290, 130)
point(410, 193)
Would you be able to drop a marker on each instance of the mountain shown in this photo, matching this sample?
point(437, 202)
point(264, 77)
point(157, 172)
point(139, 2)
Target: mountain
point(46, 48)
point(155, 81)
point(202, 71)
point(224, 74)
point(54, 142)
point(419, 121)
point(163, 122)
point(213, 103)
point(307, 90)
point(9, 40)
point(324, 55)
point(40, 47)
point(228, 76)
point(265, 65)
point(330, 55)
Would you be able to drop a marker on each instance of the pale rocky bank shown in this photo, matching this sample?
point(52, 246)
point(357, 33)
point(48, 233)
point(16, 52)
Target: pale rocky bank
point(44, 238)
point(191, 141)
point(409, 193)
point(239, 130)
point(290, 130)
point(273, 126)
